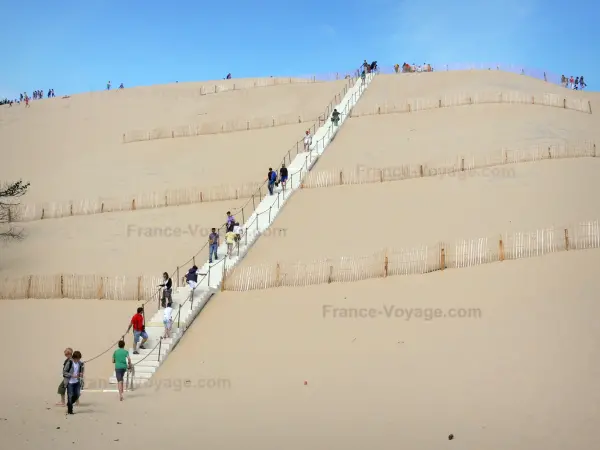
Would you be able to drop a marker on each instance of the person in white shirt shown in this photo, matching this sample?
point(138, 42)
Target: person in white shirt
point(307, 141)
point(168, 319)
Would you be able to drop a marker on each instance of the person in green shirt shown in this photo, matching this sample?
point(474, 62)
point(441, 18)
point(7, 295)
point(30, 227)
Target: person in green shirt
point(122, 363)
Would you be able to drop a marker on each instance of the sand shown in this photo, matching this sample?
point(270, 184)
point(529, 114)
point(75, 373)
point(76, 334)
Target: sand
point(42, 329)
point(520, 376)
point(441, 135)
point(410, 213)
point(130, 243)
point(391, 88)
point(80, 140)
point(520, 373)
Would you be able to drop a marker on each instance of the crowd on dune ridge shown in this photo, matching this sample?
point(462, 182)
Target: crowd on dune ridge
point(575, 84)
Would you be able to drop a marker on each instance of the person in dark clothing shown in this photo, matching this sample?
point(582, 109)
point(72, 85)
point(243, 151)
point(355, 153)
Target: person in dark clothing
point(283, 175)
point(271, 178)
point(73, 377)
point(230, 222)
point(335, 117)
point(229, 76)
point(62, 388)
point(167, 290)
point(192, 277)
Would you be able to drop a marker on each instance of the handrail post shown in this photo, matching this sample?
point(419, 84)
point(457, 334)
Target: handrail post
point(178, 285)
point(159, 348)
point(208, 276)
point(179, 317)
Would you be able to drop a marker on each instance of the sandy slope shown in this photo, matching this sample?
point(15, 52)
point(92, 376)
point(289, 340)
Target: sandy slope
point(42, 329)
point(391, 88)
point(415, 212)
point(521, 376)
point(80, 139)
point(130, 243)
point(440, 135)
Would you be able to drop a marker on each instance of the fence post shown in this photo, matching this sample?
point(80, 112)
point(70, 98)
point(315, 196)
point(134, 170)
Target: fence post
point(385, 267)
point(178, 276)
point(43, 211)
point(408, 107)
point(62, 286)
point(277, 275)
point(71, 208)
point(273, 121)
point(139, 288)
point(101, 208)
point(594, 150)
point(566, 239)
point(421, 170)
point(201, 199)
point(247, 125)
point(462, 165)
point(29, 286)
point(549, 153)
point(442, 259)
point(501, 250)
point(224, 275)
point(533, 100)
point(330, 274)
point(379, 110)
point(440, 103)
point(564, 103)
point(590, 106)
point(215, 88)
point(341, 178)
point(133, 204)
point(101, 289)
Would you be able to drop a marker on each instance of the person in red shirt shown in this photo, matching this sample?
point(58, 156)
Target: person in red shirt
point(137, 322)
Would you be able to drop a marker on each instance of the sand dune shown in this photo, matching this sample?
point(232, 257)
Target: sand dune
point(90, 326)
point(410, 213)
point(519, 372)
point(388, 88)
point(441, 135)
point(130, 243)
point(80, 139)
point(518, 376)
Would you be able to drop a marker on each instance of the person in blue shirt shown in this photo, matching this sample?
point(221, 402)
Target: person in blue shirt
point(271, 178)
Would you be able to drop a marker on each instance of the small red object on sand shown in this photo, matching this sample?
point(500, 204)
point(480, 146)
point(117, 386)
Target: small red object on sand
point(305, 382)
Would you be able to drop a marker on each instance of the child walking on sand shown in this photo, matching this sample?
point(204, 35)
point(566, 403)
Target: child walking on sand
point(168, 320)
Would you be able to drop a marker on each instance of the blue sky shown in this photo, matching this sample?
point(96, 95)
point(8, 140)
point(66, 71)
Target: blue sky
point(77, 46)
